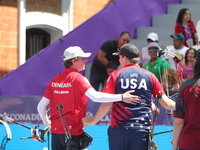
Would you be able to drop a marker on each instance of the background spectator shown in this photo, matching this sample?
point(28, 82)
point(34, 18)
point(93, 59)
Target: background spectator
point(179, 49)
point(170, 81)
point(190, 58)
point(187, 68)
point(110, 67)
point(144, 54)
point(156, 65)
point(98, 73)
point(186, 26)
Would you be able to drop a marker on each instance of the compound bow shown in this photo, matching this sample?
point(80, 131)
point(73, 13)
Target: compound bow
point(36, 134)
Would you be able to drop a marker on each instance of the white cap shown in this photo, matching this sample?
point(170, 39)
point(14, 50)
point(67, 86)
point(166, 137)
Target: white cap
point(74, 51)
point(153, 36)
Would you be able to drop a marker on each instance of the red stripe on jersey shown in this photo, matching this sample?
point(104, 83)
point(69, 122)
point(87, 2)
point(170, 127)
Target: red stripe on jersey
point(118, 108)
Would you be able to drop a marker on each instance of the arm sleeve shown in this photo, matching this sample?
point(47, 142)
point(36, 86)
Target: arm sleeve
point(41, 108)
point(83, 84)
point(178, 28)
point(105, 47)
point(179, 107)
point(102, 97)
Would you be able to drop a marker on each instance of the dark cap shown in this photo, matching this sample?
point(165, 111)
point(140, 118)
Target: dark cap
point(198, 57)
point(128, 50)
point(178, 36)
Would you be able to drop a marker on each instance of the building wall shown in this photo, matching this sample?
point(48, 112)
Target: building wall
point(49, 6)
point(82, 10)
point(8, 36)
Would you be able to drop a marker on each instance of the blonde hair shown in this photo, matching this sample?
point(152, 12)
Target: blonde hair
point(171, 77)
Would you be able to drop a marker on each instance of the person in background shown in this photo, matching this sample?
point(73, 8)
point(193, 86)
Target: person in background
point(98, 73)
point(144, 55)
point(178, 49)
point(130, 124)
point(186, 69)
point(170, 82)
point(110, 67)
point(186, 130)
point(71, 88)
point(156, 65)
point(186, 26)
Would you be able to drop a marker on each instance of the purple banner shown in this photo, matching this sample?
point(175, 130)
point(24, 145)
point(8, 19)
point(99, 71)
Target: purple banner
point(120, 15)
point(22, 109)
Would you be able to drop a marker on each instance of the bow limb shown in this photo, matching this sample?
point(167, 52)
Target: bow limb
point(7, 137)
point(9, 134)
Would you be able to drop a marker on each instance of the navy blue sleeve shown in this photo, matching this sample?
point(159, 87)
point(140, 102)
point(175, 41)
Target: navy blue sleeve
point(179, 107)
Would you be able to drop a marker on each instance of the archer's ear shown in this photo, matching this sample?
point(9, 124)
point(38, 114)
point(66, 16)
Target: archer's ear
point(74, 61)
point(126, 59)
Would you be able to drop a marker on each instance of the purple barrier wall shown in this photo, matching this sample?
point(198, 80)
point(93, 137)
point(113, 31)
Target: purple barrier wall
point(120, 15)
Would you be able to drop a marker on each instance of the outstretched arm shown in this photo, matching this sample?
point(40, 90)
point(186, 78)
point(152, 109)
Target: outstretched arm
point(102, 111)
point(167, 103)
point(105, 97)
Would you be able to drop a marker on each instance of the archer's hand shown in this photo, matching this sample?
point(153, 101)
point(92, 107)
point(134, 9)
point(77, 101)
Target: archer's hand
point(132, 99)
point(87, 121)
point(48, 126)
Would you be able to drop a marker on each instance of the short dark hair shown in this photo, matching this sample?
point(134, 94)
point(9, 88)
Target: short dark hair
point(180, 15)
point(112, 64)
point(125, 32)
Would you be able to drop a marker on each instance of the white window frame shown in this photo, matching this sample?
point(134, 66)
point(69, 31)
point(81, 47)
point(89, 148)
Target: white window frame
point(55, 25)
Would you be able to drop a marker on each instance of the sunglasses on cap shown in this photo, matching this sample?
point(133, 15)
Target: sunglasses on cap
point(120, 52)
point(153, 50)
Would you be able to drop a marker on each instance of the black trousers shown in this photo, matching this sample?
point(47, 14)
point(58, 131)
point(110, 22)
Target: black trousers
point(97, 78)
point(58, 141)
